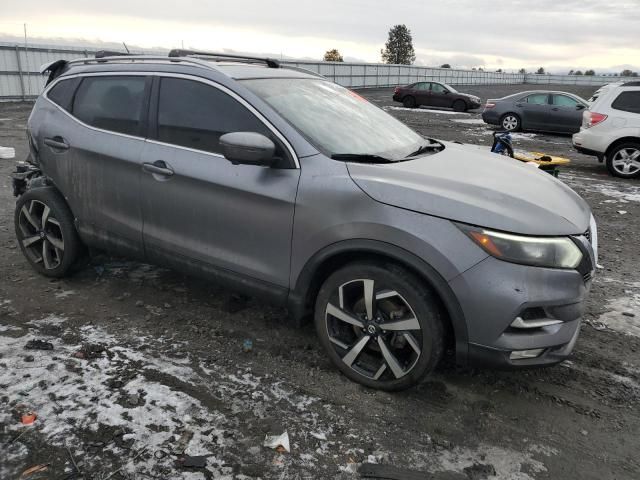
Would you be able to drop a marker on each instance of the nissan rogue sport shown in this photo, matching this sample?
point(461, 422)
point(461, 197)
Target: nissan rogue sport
point(282, 184)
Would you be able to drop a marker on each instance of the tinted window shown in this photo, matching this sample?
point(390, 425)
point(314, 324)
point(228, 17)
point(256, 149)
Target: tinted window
point(196, 115)
point(538, 99)
point(437, 88)
point(627, 102)
point(564, 101)
point(62, 92)
point(111, 103)
point(421, 86)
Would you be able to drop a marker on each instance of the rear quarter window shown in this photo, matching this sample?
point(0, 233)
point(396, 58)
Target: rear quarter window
point(62, 92)
point(111, 103)
point(627, 102)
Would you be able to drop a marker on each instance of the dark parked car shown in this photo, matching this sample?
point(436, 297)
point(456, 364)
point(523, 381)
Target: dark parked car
point(536, 110)
point(435, 94)
point(400, 247)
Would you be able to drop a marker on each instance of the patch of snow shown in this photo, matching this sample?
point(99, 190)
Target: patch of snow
point(64, 294)
point(523, 136)
point(8, 328)
point(470, 121)
point(615, 319)
point(426, 110)
point(623, 192)
point(50, 320)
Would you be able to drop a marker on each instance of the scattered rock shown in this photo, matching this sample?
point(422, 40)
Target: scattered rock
point(628, 314)
point(479, 471)
point(38, 345)
point(29, 358)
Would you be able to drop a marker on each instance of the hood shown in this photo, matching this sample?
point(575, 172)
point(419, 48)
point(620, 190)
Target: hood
point(480, 188)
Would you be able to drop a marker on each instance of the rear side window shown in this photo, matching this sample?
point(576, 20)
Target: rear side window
point(111, 103)
point(195, 115)
point(627, 102)
point(422, 86)
point(538, 99)
point(62, 92)
point(564, 101)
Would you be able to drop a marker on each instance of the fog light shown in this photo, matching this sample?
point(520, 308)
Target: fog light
point(522, 354)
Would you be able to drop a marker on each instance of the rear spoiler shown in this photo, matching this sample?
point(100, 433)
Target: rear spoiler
point(55, 69)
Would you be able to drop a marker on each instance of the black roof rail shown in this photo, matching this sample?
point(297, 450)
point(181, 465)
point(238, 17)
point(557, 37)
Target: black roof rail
point(111, 53)
point(631, 84)
point(271, 63)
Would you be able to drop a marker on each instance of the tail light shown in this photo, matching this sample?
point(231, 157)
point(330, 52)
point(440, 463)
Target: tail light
point(590, 119)
point(396, 90)
point(487, 106)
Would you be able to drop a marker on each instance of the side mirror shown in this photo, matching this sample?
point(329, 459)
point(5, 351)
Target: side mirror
point(580, 106)
point(248, 148)
point(446, 91)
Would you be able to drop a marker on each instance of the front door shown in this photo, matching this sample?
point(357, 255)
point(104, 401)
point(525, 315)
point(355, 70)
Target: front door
point(200, 209)
point(439, 97)
point(565, 115)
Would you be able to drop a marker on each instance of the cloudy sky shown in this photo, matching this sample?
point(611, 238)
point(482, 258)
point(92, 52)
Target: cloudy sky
point(556, 34)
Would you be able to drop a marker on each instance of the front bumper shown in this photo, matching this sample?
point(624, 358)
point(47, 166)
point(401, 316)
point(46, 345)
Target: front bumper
point(494, 293)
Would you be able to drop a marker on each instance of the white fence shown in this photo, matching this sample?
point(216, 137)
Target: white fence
point(21, 80)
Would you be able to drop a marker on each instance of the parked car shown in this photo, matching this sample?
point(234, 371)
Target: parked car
point(603, 89)
point(435, 94)
point(400, 247)
point(611, 130)
point(558, 112)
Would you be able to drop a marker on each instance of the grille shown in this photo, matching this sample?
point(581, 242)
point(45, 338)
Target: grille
point(587, 276)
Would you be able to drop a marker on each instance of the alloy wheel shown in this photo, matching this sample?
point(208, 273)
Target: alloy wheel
point(373, 330)
point(41, 235)
point(626, 161)
point(510, 122)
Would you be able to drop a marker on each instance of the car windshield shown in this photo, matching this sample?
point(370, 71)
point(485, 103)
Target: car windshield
point(337, 121)
point(450, 88)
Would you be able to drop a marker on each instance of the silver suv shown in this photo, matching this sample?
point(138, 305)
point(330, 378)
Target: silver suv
point(286, 186)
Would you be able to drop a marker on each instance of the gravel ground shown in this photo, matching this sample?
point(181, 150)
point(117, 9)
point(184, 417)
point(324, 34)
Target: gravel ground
point(147, 365)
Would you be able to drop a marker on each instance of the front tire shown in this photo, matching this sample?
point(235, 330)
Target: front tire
point(510, 122)
point(624, 160)
point(409, 102)
point(460, 106)
point(46, 232)
point(380, 325)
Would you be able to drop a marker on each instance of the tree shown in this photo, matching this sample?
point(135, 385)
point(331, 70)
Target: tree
point(399, 46)
point(522, 71)
point(333, 55)
point(499, 70)
point(571, 72)
point(591, 73)
point(628, 73)
point(445, 65)
point(578, 72)
point(541, 71)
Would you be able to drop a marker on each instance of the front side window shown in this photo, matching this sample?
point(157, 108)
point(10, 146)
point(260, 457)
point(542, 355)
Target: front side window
point(538, 99)
point(564, 101)
point(336, 120)
point(111, 103)
point(195, 115)
point(627, 102)
point(437, 88)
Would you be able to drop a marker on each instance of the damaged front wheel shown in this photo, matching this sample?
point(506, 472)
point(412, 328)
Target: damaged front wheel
point(46, 233)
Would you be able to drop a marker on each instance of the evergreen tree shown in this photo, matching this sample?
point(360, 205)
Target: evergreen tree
point(399, 47)
point(333, 55)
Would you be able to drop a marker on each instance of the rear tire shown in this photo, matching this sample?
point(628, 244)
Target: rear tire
point(46, 232)
point(460, 106)
point(409, 102)
point(380, 325)
point(510, 122)
point(624, 160)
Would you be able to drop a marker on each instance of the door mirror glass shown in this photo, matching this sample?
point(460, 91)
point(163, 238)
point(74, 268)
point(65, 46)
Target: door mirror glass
point(248, 148)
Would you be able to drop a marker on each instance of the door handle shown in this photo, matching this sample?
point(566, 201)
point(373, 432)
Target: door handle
point(56, 142)
point(158, 167)
point(555, 109)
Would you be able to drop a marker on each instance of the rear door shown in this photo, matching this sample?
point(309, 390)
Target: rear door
point(91, 148)
point(565, 115)
point(204, 211)
point(422, 93)
point(535, 111)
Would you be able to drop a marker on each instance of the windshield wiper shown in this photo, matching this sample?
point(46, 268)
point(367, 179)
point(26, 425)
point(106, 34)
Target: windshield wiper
point(361, 158)
point(429, 147)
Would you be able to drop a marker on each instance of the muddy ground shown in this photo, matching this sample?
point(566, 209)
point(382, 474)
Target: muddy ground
point(147, 365)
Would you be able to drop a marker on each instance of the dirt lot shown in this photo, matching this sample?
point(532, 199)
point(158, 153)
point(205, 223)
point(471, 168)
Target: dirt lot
point(164, 369)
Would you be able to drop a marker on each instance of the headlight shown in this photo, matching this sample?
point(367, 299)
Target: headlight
point(552, 252)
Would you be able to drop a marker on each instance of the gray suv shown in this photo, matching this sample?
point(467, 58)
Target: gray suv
point(286, 186)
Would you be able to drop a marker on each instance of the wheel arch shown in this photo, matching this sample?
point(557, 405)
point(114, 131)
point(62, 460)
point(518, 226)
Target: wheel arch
point(620, 141)
point(326, 261)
